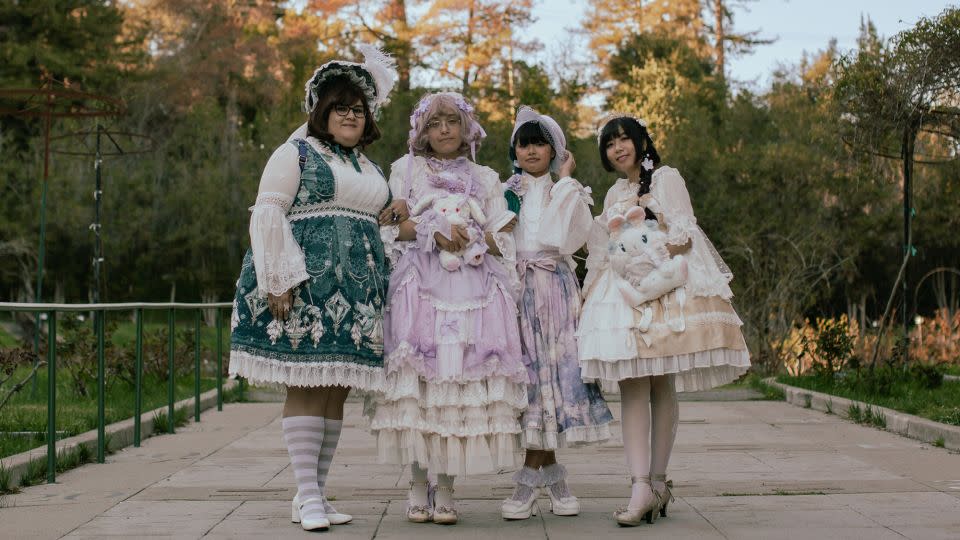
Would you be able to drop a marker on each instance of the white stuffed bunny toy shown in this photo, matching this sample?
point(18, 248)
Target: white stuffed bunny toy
point(457, 210)
point(638, 253)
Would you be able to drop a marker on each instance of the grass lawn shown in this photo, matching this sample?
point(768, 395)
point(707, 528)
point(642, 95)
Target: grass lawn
point(904, 393)
point(6, 340)
point(76, 414)
point(952, 370)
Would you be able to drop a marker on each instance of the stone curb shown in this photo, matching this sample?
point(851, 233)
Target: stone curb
point(119, 434)
point(898, 422)
point(951, 378)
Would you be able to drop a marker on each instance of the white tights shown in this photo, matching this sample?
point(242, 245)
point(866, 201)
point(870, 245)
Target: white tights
point(649, 416)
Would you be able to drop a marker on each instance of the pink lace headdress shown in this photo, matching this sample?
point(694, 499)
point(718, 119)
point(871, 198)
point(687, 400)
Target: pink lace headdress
point(472, 131)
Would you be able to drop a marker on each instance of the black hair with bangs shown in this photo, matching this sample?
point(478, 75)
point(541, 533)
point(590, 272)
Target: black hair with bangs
point(528, 133)
point(642, 143)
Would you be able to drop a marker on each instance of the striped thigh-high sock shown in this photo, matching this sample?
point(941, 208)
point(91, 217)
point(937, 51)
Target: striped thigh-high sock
point(331, 436)
point(304, 437)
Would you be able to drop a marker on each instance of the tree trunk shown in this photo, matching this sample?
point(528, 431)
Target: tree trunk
point(719, 45)
point(510, 89)
point(401, 46)
point(471, 14)
point(909, 142)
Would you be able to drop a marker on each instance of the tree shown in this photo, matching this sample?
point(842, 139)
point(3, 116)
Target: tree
point(891, 94)
point(611, 23)
point(474, 41)
point(724, 38)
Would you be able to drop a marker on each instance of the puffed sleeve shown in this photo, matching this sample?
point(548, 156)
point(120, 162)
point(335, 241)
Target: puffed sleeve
point(674, 206)
point(566, 221)
point(277, 257)
point(398, 186)
point(597, 240)
point(497, 213)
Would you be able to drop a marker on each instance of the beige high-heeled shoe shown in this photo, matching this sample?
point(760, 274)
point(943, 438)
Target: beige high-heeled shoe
point(419, 513)
point(631, 517)
point(667, 496)
point(445, 515)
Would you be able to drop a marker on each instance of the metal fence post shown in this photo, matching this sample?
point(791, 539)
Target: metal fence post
point(196, 368)
point(138, 380)
point(101, 388)
point(219, 319)
point(51, 397)
point(170, 371)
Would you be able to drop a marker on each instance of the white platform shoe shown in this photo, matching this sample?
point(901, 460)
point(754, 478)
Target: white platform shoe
point(514, 508)
point(566, 505)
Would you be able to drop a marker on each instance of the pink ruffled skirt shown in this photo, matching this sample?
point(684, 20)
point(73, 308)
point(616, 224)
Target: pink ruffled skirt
point(456, 384)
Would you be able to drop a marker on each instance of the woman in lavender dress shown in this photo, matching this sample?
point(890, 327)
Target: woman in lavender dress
point(455, 381)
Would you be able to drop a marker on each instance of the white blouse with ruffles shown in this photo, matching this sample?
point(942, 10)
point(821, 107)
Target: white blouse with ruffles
point(277, 257)
point(553, 216)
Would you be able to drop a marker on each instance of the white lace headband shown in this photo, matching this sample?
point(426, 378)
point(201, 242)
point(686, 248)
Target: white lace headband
point(617, 115)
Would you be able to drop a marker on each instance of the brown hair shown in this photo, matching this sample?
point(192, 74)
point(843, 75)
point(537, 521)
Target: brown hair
point(339, 90)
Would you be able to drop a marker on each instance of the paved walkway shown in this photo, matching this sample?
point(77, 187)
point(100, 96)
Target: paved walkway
point(742, 470)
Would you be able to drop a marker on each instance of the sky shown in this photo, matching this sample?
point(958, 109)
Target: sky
point(798, 26)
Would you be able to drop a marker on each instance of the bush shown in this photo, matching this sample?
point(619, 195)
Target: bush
point(77, 351)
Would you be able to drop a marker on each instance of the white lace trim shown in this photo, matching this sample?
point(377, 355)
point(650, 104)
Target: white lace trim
point(268, 370)
point(408, 384)
point(681, 229)
point(449, 455)
point(274, 198)
point(448, 409)
point(409, 415)
point(329, 209)
point(392, 247)
point(706, 318)
point(505, 244)
point(693, 372)
point(277, 257)
point(538, 439)
point(282, 275)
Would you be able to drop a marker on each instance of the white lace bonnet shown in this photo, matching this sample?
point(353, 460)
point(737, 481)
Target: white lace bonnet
point(550, 129)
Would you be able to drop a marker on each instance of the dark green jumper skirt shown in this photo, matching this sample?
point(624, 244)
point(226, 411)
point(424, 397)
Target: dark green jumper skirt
point(334, 333)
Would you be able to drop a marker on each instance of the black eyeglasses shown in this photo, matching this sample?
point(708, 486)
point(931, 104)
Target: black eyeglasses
point(343, 110)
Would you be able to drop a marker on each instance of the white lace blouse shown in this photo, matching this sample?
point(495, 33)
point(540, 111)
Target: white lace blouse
point(277, 257)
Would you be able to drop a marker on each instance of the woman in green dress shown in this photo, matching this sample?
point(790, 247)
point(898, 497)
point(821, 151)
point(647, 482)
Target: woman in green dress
point(308, 313)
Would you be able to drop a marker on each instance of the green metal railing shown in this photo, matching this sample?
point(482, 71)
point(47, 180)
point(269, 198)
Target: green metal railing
point(100, 311)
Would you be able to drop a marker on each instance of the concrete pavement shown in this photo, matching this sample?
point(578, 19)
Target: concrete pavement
point(742, 469)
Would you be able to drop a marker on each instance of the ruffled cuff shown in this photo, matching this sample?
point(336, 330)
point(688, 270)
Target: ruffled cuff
point(429, 224)
point(566, 221)
point(506, 244)
point(680, 229)
point(392, 247)
point(277, 257)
